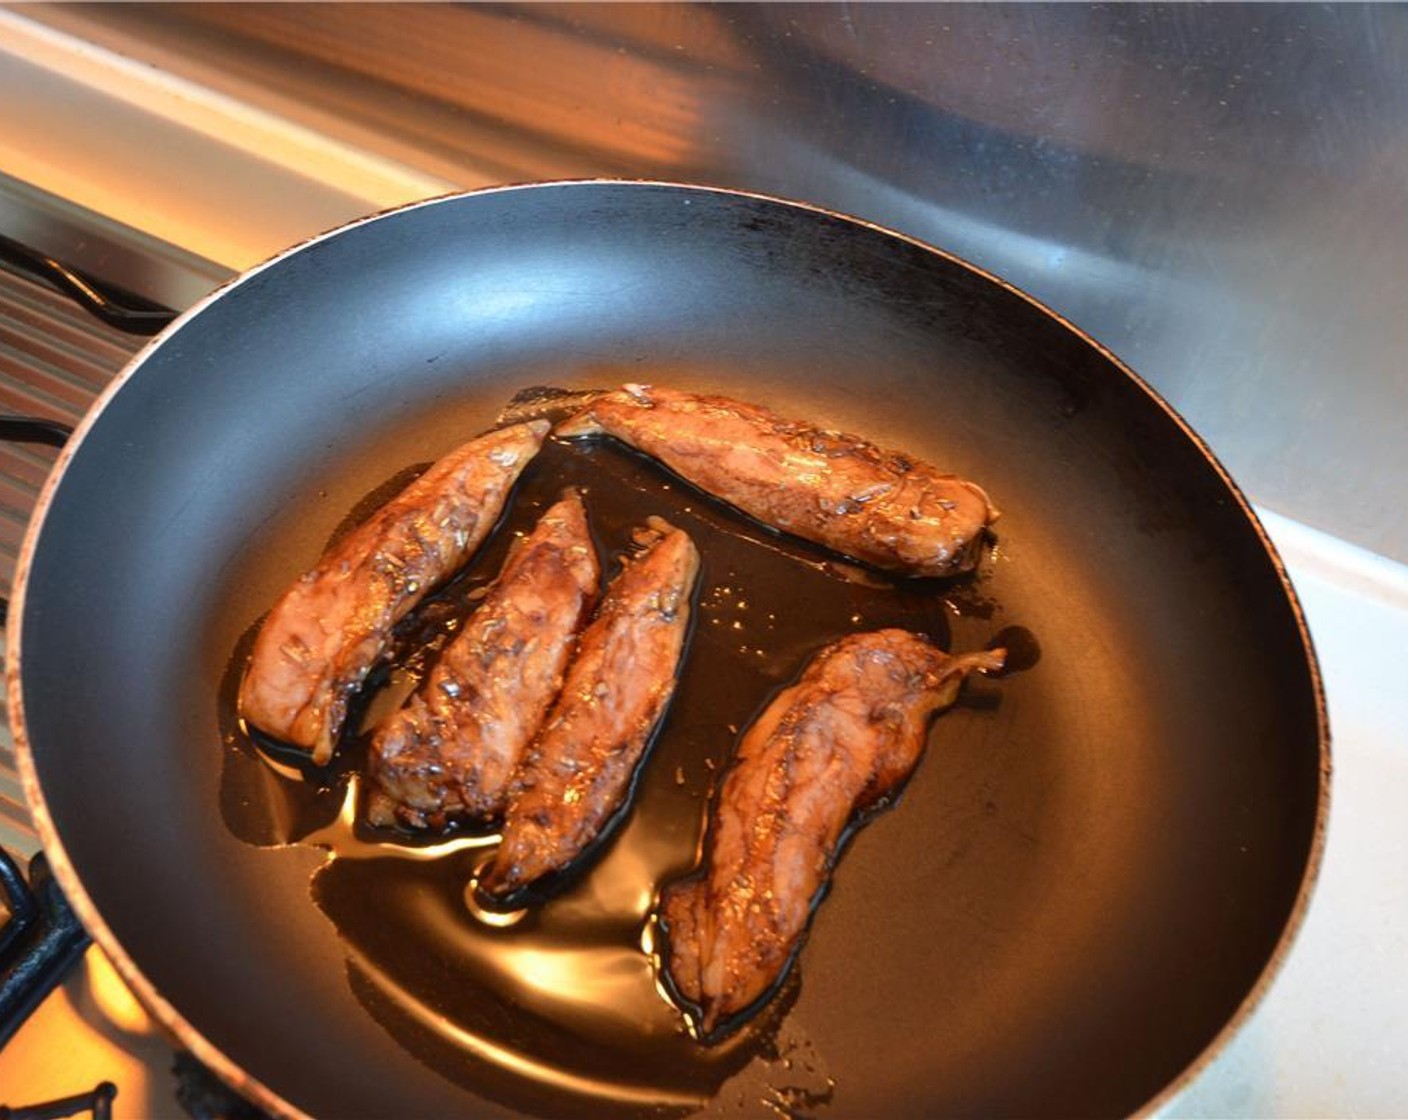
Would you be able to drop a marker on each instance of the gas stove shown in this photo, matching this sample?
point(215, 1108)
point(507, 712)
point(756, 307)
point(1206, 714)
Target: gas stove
point(1326, 1040)
point(90, 1045)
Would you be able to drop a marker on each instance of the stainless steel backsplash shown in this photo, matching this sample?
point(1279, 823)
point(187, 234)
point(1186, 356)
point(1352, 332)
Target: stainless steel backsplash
point(1219, 193)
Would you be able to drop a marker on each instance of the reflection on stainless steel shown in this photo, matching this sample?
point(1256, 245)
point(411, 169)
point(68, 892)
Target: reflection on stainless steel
point(94, 244)
point(222, 180)
point(1215, 192)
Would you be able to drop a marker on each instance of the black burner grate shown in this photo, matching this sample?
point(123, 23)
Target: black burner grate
point(97, 1103)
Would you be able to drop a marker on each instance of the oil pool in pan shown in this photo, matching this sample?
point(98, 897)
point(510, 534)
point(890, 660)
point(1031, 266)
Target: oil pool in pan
point(556, 1008)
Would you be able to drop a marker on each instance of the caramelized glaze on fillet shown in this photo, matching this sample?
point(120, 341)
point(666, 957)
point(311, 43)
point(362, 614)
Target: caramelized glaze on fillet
point(882, 507)
point(317, 645)
point(451, 751)
point(579, 772)
point(834, 744)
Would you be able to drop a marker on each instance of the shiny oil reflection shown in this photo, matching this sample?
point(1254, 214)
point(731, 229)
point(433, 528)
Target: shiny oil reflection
point(557, 1008)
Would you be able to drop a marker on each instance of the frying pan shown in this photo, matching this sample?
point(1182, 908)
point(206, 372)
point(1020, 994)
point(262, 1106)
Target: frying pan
point(1087, 885)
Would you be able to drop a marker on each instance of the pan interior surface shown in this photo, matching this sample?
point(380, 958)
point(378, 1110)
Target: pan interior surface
point(1084, 881)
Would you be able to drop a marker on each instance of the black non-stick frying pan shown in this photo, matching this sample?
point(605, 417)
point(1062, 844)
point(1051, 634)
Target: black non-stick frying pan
point(1082, 892)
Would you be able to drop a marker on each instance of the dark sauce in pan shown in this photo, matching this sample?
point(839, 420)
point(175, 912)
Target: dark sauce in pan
point(556, 1009)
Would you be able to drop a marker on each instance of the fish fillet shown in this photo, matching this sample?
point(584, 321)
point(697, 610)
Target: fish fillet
point(831, 746)
point(579, 772)
point(451, 751)
point(334, 624)
point(882, 507)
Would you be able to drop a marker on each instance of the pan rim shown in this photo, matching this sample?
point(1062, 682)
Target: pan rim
point(260, 1094)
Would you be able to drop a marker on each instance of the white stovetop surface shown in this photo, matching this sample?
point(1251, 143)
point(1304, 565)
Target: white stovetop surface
point(1329, 1039)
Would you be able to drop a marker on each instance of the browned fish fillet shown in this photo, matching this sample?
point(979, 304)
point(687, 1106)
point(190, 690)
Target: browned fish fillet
point(317, 645)
point(578, 773)
point(834, 744)
point(451, 751)
point(882, 507)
